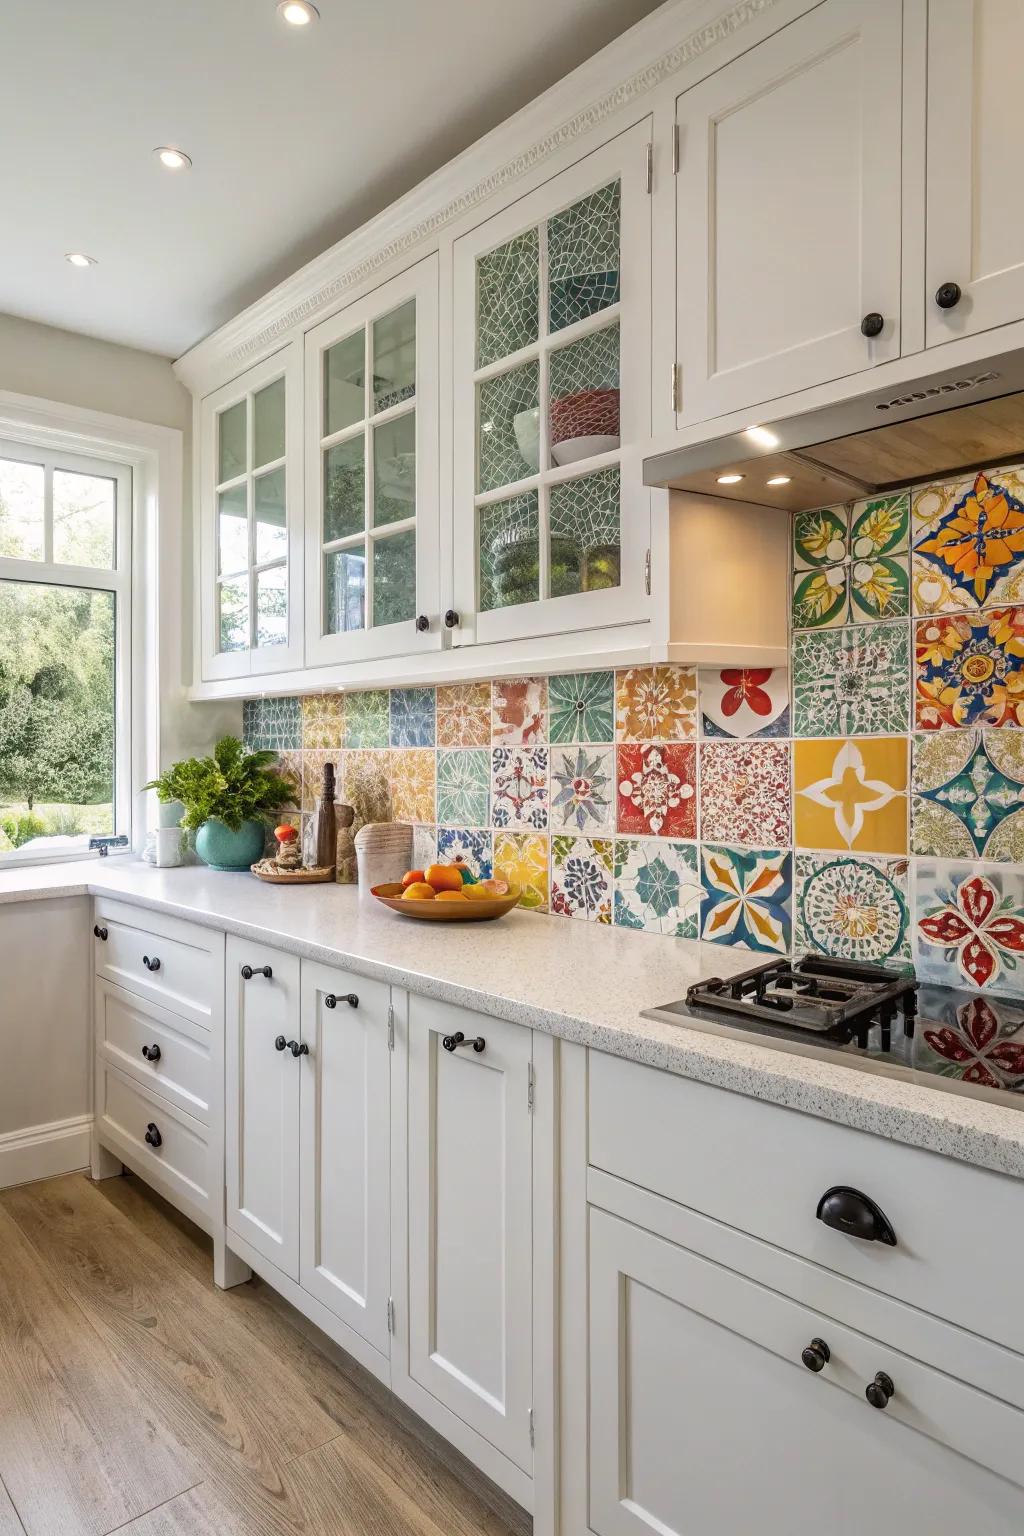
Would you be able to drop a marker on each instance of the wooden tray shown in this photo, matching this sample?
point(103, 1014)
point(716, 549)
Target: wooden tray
point(300, 877)
point(446, 911)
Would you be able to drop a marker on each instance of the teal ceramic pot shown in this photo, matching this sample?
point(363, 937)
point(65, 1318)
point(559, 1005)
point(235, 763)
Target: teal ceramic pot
point(221, 848)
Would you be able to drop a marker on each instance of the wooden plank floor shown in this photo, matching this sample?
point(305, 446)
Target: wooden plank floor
point(137, 1398)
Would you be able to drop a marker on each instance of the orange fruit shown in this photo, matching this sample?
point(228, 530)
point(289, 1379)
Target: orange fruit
point(444, 877)
point(413, 877)
point(418, 891)
point(451, 896)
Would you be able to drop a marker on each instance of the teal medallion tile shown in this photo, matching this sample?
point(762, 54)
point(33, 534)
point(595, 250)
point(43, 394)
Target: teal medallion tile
point(413, 712)
point(657, 887)
point(272, 725)
point(367, 718)
point(968, 795)
point(852, 908)
point(852, 682)
point(582, 707)
point(463, 787)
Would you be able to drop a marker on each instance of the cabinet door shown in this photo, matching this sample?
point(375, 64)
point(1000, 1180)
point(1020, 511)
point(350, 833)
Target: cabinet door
point(345, 1180)
point(788, 210)
point(251, 521)
point(262, 1101)
point(552, 389)
point(704, 1419)
point(975, 227)
point(470, 1237)
point(371, 475)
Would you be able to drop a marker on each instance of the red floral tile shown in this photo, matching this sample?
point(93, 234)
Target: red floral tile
point(656, 789)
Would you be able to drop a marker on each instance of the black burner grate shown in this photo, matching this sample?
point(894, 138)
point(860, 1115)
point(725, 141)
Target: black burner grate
point(838, 1000)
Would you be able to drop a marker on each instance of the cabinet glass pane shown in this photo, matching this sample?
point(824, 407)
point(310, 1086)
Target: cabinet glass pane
point(583, 382)
point(344, 489)
point(394, 357)
point(232, 530)
point(585, 537)
point(394, 470)
point(509, 544)
point(232, 457)
point(583, 258)
point(272, 606)
point(345, 383)
point(233, 614)
point(507, 305)
point(268, 424)
point(345, 581)
point(83, 519)
point(269, 508)
point(21, 510)
point(508, 427)
point(394, 578)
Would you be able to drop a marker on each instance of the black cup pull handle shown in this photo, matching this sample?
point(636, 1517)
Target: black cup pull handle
point(332, 999)
point(151, 965)
point(452, 1042)
point(153, 1136)
point(101, 933)
point(249, 971)
point(297, 1049)
point(879, 1391)
point(848, 1210)
point(151, 1052)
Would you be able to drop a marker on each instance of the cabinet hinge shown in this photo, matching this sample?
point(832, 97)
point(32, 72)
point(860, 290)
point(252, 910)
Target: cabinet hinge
point(532, 1439)
point(649, 168)
point(677, 403)
point(391, 1315)
point(391, 1027)
point(675, 149)
point(647, 572)
point(529, 1087)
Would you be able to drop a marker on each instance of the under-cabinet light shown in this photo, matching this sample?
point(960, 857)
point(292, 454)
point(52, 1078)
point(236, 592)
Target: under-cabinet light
point(762, 437)
point(79, 259)
point(729, 479)
point(298, 13)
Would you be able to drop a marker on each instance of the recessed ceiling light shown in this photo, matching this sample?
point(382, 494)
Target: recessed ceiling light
point(762, 437)
point(79, 259)
point(729, 479)
point(173, 159)
point(298, 13)
point(780, 479)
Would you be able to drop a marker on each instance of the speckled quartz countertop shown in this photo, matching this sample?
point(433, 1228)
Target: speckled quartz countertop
point(569, 979)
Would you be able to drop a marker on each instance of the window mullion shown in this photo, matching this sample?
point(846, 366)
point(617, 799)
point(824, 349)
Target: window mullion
point(544, 421)
point(250, 508)
point(368, 477)
point(48, 512)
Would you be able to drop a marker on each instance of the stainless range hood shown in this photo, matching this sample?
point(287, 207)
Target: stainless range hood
point(956, 420)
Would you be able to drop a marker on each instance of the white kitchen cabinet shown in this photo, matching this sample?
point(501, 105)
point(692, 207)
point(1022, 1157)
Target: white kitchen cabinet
point(344, 1258)
point(470, 1244)
point(788, 211)
point(975, 222)
point(250, 523)
point(262, 1100)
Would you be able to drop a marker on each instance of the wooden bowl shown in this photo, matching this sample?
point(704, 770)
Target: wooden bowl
point(446, 911)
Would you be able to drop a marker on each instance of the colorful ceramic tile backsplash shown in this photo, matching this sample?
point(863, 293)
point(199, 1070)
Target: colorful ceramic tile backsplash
point(869, 805)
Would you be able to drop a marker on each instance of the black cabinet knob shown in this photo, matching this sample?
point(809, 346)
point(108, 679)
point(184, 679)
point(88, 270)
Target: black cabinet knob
point(451, 618)
point(249, 971)
point(452, 1042)
point(151, 1052)
point(151, 965)
point(948, 295)
point(847, 1210)
point(816, 1355)
point(280, 1043)
point(153, 1136)
point(873, 324)
point(334, 998)
point(879, 1391)
point(297, 1049)
point(101, 933)
point(422, 623)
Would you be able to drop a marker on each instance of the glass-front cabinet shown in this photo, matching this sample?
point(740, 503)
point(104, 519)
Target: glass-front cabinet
point(371, 475)
point(552, 350)
point(250, 543)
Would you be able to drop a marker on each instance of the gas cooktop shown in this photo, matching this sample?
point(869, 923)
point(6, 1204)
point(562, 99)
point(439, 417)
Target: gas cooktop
point(871, 1017)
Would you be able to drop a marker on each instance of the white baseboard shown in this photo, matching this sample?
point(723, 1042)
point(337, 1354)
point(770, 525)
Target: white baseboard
point(43, 1151)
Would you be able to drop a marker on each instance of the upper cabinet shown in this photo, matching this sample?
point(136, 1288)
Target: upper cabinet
point(372, 533)
point(250, 538)
point(975, 236)
point(551, 352)
point(788, 211)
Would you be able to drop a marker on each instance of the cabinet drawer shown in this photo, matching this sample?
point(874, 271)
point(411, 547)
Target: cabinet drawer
point(163, 1050)
point(763, 1169)
point(179, 1166)
point(178, 964)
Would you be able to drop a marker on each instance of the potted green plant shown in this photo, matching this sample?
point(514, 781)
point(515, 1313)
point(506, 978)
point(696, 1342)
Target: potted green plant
point(226, 798)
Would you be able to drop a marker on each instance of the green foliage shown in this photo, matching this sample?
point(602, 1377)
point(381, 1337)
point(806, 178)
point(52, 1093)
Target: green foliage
point(65, 822)
point(233, 785)
point(22, 829)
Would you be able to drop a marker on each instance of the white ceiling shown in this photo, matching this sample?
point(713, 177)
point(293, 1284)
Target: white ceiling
point(298, 135)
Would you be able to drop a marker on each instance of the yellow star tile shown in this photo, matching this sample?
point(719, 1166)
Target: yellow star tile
point(851, 794)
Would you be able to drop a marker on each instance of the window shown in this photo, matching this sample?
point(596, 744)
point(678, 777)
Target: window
point(65, 628)
point(252, 524)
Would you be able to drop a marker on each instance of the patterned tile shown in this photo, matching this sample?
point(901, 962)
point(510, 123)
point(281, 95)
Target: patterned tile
point(969, 542)
point(969, 926)
point(272, 725)
point(820, 538)
point(323, 721)
point(851, 794)
point(366, 718)
point(313, 764)
point(413, 785)
point(851, 908)
point(968, 795)
point(657, 887)
point(519, 711)
point(851, 566)
point(979, 1039)
point(412, 717)
point(748, 897)
point(424, 846)
point(744, 701)
point(583, 788)
point(521, 858)
point(745, 792)
point(519, 788)
point(656, 704)
point(969, 670)
point(582, 707)
point(464, 715)
point(367, 785)
point(852, 682)
point(463, 788)
point(582, 878)
point(289, 766)
point(656, 790)
point(467, 845)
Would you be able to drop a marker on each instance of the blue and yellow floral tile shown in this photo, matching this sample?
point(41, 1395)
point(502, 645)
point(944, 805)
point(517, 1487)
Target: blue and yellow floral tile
point(582, 878)
point(739, 702)
point(748, 897)
point(969, 670)
point(969, 542)
point(272, 725)
point(463, 788)
point(852, 682)
point(851, 564)
point(583, 789)
point(472, 846)
point(969, 926)
point(968, 795)
point(852, 908)
point(519, 788)
point(367, 718)
point(413, 717)
point(657, 887)
point(582, 707)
